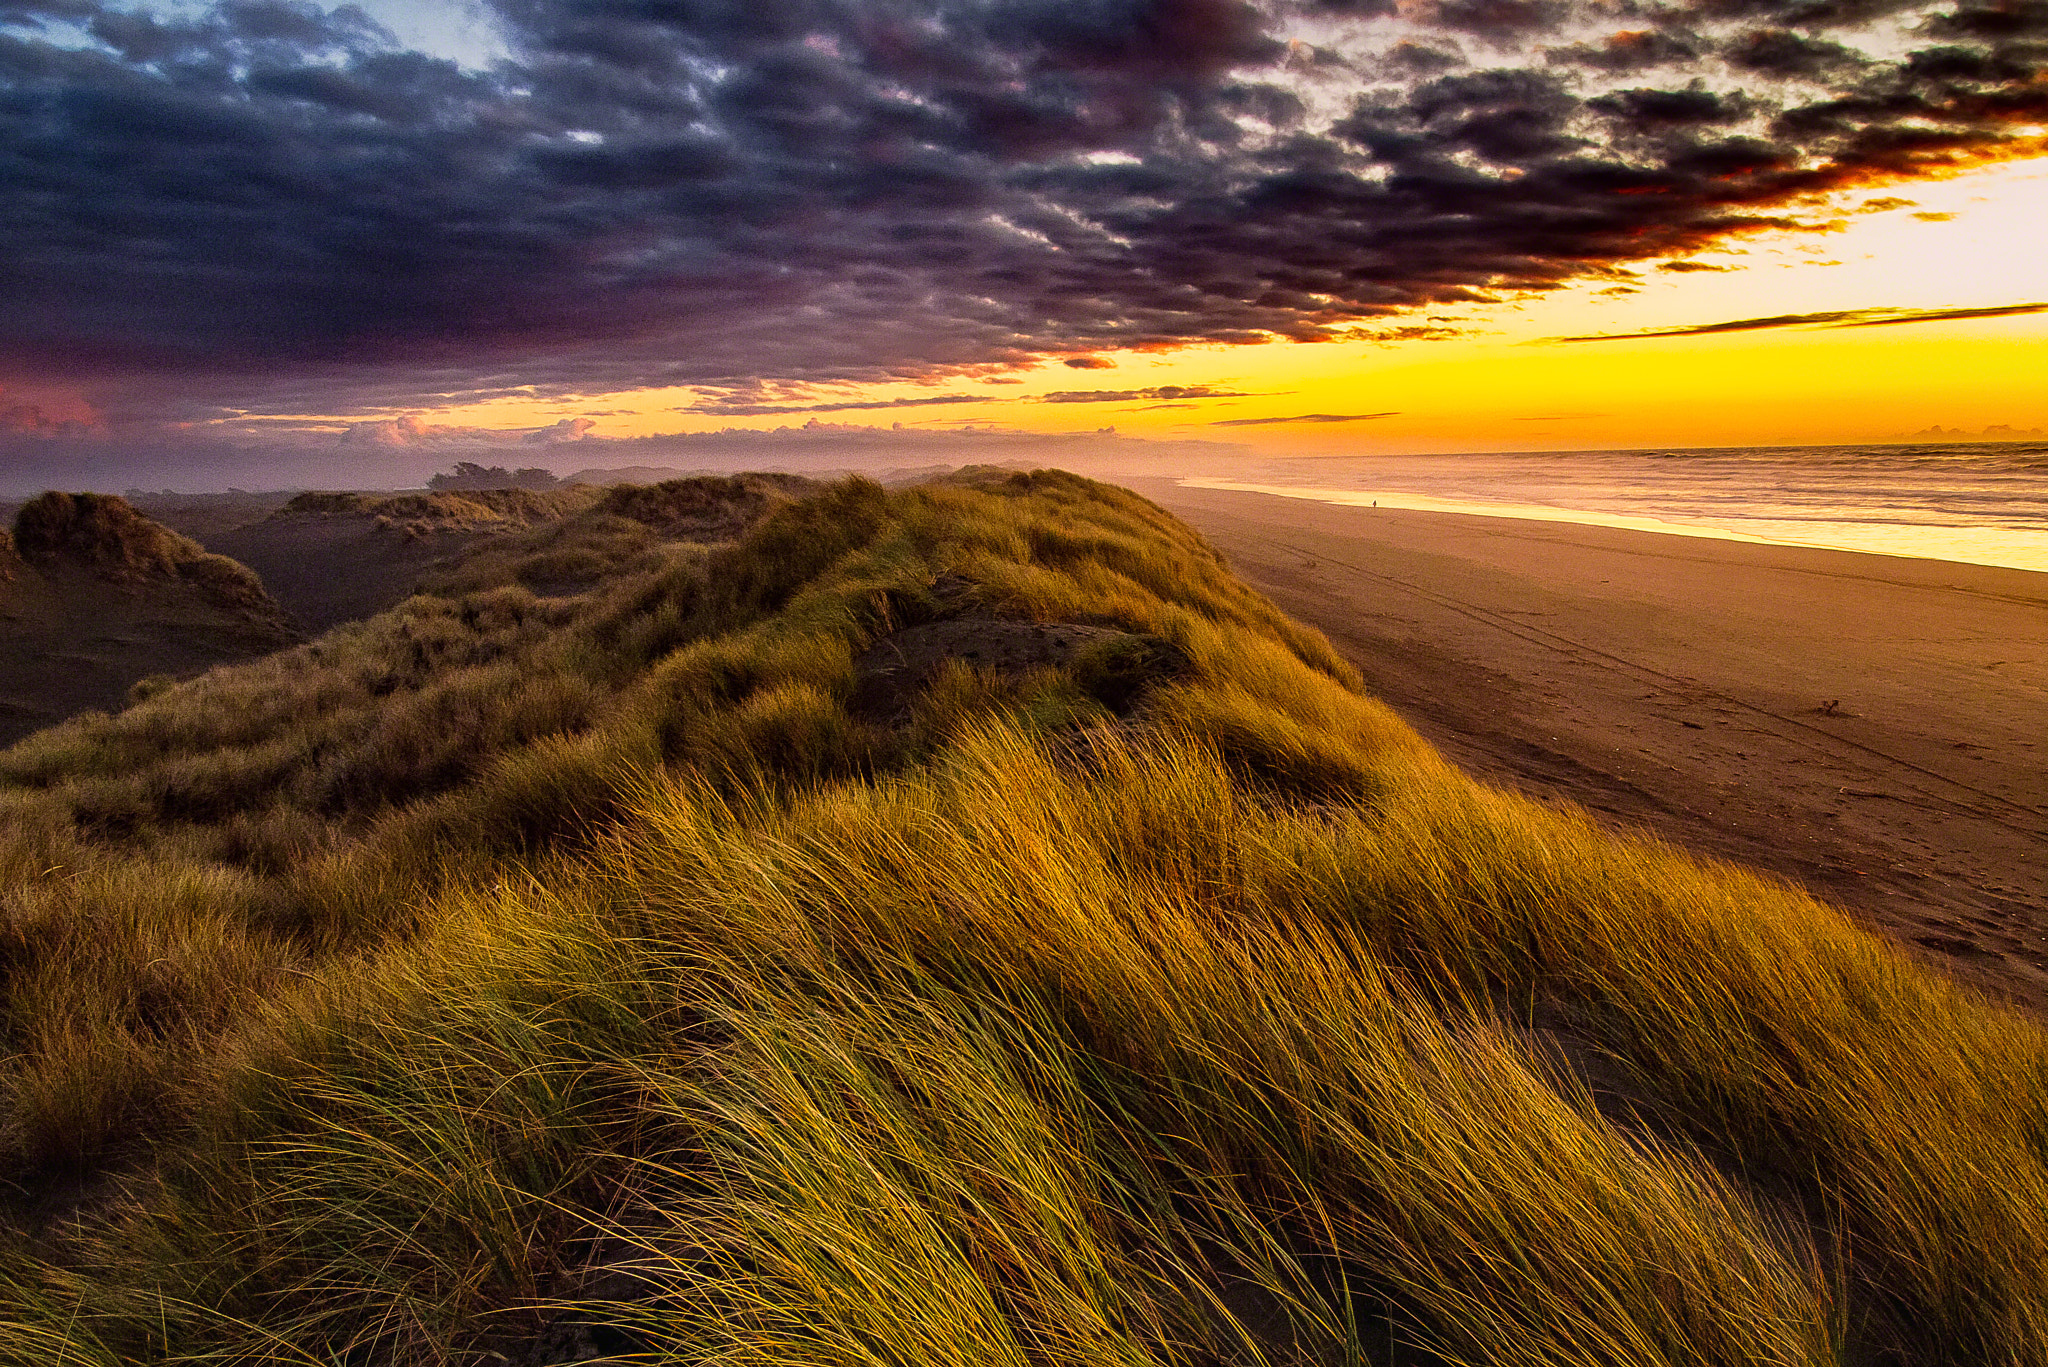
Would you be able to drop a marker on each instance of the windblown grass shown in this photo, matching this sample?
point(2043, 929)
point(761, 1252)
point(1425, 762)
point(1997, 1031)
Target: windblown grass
point(1088, 1016)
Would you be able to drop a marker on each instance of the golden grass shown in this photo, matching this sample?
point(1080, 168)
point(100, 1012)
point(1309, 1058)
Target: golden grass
point(1180, 1007)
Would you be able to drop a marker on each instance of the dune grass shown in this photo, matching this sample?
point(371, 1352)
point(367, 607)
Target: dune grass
point(445, 510)
point(104, 535)
point(1099, 1012)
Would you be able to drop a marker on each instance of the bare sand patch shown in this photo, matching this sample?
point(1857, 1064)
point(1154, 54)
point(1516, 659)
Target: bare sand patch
point(1867, 726)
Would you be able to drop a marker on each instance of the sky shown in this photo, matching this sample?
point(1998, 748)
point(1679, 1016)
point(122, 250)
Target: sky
point(271, 242)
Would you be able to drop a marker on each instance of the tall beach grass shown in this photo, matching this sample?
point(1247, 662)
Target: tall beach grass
point(614, 981)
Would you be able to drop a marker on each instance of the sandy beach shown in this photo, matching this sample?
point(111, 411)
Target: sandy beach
point(1874, 728)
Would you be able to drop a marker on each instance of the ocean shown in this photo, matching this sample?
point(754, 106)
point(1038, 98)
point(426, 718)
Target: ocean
point(1982, 503)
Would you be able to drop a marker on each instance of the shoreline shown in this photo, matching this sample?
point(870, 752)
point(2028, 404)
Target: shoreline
point(1963, 546)
point(1866, 726)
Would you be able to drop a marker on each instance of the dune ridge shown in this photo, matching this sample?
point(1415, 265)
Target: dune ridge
point(1153, 996)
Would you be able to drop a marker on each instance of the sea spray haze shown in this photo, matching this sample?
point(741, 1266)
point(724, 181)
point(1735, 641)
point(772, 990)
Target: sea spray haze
point(1980, 503)
point(514, 977)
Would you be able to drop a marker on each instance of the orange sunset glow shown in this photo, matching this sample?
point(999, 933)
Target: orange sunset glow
point(1506, 381)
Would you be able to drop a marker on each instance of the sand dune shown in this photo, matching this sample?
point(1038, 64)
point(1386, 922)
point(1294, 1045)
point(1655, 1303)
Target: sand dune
point(334, 558)
point(98, 597)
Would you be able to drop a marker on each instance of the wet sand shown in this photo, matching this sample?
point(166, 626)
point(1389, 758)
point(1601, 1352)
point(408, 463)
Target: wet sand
point(1874, 728)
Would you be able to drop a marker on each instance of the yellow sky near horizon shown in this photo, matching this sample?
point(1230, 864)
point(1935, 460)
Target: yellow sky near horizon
point(1508, 383)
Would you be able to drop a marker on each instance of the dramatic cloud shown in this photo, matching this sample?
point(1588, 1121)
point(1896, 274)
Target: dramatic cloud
point(748, 410)
point(31, 418)
point(1171, 393)
point(1839, 318)
point(269, 207)
point(1303, 417)
point(738, 409)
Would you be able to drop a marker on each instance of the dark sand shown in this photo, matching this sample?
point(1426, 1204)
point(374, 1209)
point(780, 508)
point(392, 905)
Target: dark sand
point(1680, 685)
point(327, 570)
point(70, 640)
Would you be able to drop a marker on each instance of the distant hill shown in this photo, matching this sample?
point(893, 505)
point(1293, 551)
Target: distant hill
point(1996, 432)
point(95, 597)
point(204, 517)
point(630, 474)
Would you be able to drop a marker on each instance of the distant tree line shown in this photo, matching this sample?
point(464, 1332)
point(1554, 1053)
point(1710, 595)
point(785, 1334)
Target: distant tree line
point(469, 475)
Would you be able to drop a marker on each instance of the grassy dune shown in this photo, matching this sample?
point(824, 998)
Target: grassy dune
point(103, 534)
point(524, 978)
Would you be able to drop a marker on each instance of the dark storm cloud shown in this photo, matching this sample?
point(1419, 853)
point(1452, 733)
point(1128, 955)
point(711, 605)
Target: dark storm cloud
point(1778, 52)
point(1420, 59)
point(1840, 318)
point(275, 208)
point(2009, 19)
point(1630, 50)
point(1692, 107)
